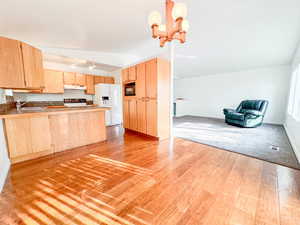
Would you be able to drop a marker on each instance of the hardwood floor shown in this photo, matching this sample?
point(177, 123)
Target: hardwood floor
point(137, 180)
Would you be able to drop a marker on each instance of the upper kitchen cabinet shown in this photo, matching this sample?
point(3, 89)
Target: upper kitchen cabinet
point(70, 78)
point(21, 65)
point(99, 79)
point(90, 85)
point(54, 82)
point(80, 79)
point(132, 73)
point(125, 73)
point(33, 67)
point(11, 64)
point(109, 80)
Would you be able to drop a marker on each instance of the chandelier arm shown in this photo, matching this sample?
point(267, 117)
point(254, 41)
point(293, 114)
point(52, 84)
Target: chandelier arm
point(176, 29)
point(162, 41)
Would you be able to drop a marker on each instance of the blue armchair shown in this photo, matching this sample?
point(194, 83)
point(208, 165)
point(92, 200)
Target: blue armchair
point(250, 113)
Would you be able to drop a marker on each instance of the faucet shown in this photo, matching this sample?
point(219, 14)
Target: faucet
point(19, 105)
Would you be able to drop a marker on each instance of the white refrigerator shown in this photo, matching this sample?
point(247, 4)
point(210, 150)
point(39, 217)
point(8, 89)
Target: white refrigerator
point(109, 95)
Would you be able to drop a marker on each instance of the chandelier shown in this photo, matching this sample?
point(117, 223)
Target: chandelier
point(176, 25)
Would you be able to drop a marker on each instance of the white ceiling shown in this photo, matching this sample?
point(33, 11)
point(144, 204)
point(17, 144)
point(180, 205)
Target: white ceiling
point(225, 36)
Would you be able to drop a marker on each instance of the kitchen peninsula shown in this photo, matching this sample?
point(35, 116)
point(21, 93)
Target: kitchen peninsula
point(36, 133)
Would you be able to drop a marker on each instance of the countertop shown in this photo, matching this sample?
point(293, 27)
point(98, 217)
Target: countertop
point(51, 111)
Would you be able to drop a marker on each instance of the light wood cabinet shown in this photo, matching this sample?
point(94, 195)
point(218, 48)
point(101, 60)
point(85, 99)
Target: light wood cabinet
point(141, 116)
point(59, 126)
point(132, 73)
point(126, 115)
point(69, 78)
point(11, 64)
point(149, 111)
point(151, 79)
point(151, 117)
point(133, 114)
point(125, 77)
point(140, 85)
point(40, 134)
point(77, 129)
point(33, 67)
point(80, 79)
point(109, 80)
point(54, 82)
point(90, 85)
point(99, 79)
point(25, 139)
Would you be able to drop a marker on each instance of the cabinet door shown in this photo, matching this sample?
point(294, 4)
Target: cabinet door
point(126, 118)
point(109, 80)
point(133, 114)
point(11, 64)
point(33, 66)
point(80, 79)
point(141, 116)
point(90, 86)
point(140, 83)
point(61, 134)
point(41, 141)
point(18, 136)
point(151, 107)
point(151, 79)
point(99, 80)
point(125, 75)
point(28, 135)
point(132, 73)
point(70, 78)
point(54, 81)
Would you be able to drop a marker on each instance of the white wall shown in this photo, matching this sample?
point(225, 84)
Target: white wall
point(4, 160)
point(208, 95)
point(292, 126)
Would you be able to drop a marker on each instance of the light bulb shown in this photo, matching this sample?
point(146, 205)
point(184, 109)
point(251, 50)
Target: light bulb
point(179, 10)
point(185, 25)
point(162, 28)
point(154, 18)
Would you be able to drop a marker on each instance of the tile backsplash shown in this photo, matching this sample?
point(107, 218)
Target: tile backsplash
point(28, 97)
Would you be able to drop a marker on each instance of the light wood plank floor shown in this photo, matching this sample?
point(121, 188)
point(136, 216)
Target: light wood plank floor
point(136, 180)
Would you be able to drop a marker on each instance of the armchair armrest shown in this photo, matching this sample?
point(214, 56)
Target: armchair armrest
point(227, 111)
point(253, 112)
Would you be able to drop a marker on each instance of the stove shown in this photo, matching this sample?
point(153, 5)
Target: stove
point(74, 102)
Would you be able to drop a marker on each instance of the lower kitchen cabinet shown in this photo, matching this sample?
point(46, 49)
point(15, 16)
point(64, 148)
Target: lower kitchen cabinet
point(126, 118)
point(133, 115)
point(28, 137)
point(33, 136)
point(151, 117)
point(77, 129)
point(141, 116)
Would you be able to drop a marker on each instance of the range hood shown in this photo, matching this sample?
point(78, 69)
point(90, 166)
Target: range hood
point(74, 87)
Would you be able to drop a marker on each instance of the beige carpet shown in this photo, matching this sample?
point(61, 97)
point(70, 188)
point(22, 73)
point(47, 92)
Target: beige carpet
point(256, 142)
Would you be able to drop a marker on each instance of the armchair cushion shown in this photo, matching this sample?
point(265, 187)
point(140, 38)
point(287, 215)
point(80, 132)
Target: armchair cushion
point(251, 112)
point(236, 116)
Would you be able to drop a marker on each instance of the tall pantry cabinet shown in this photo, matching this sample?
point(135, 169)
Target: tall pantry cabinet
point(148, 111)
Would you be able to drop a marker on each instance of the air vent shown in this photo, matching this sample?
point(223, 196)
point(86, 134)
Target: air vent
point(274, 148)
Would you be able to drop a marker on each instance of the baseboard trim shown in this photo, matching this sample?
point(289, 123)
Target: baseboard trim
point(222, 118)
point(3, 175)
point(293, 142)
